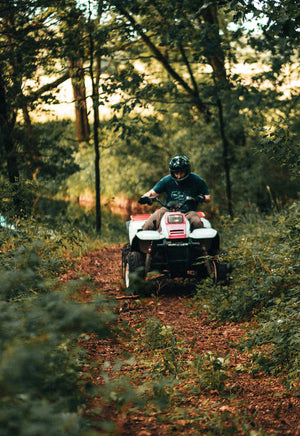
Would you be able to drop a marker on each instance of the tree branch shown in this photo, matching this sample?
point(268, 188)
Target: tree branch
point(188, 65)
point(45, 88)
point(162, 59)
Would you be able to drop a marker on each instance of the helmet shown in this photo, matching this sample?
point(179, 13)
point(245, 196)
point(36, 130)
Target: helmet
point(178, 164)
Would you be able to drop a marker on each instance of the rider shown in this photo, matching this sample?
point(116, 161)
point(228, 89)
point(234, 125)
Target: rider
point(179, 184)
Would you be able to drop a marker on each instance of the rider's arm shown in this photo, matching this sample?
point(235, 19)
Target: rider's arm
point(151, 194)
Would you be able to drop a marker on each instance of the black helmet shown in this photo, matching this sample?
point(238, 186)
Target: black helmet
point(178, 164)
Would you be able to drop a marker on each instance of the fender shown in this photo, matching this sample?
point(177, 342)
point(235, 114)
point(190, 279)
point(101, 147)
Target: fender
point(206, 223)
point(150, 235)
point(135, 231)
point(203, 233)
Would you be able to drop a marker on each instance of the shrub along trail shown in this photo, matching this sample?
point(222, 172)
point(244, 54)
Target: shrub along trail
point(195, 378)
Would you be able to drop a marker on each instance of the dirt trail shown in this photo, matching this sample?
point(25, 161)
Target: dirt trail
point(264, 397)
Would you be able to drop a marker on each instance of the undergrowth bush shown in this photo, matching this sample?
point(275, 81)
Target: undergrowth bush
point(211, 371)
point(264, 253)
point(42, 391)
point(35, 214)
point(162, 340)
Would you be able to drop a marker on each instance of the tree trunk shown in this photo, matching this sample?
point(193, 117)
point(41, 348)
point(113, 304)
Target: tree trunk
point(95, 79)
point(97, 148)
point(226, 161)
point(31, 152)
point(79, 93)
point(217, 62)
point(97, 161)
point(6, 127)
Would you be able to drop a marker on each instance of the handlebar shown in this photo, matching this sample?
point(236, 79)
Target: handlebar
point(173, 206)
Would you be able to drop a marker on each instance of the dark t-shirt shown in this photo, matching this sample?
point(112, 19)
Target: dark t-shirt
point(178, 191)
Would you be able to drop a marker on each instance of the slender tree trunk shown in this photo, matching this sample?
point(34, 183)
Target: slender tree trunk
point(226, 158)
point(11, 159)
point(97, 148)
point(217, 62)
point(97, 162)
point(95, 78)
point(79, 93)
point(31, 152)
point(6, 127)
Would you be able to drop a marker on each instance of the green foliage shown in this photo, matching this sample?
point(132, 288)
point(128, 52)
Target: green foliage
point(76, 224)
point(136, 150)
point(56, 162)
point(174, 385)
point(141, 144)
point(249, 102)
point(57, 148)
point(211, 371)
point(41, 362)
point(162, 340)
point(280, 145)
point(264, 253)
point(17, 199)
point(127, 161)
point(278, 24)
point(41, 325)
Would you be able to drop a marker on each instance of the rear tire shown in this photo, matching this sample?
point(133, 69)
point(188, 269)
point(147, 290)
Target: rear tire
point(134, 268)
point(219, 271)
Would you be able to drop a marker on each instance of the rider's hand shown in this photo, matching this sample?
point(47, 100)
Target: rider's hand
point(145, 200)
point(201, 198)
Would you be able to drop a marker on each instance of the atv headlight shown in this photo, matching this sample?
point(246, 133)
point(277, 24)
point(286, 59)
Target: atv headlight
point(175, 219)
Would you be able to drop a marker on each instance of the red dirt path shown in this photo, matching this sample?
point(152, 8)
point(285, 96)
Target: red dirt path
point(274, 410)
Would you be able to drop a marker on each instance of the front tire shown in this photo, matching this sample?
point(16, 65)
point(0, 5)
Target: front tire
point(134, 269)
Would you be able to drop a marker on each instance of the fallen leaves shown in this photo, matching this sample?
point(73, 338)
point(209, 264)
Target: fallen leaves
point(262, 401)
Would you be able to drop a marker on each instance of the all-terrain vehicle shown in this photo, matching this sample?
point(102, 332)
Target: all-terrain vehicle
point(173, 250)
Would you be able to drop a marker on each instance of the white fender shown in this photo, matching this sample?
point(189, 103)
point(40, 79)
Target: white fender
point(206, 223)
point(203, 233)
point(149, 235)
point(133, 227)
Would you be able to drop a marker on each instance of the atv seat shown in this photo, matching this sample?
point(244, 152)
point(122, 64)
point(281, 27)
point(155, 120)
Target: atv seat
point(140, 217)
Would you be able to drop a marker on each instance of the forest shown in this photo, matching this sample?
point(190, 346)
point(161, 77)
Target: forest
point(96, 97)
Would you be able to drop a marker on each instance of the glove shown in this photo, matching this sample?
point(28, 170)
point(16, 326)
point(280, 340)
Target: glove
point(201, 198)
point(145, 200)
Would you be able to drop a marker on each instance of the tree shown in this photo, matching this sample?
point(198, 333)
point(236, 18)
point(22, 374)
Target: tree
point(185, 36)
point(95, 73)
point(7, 122)
point(72, 25)
point(77, 75)
point(28, 41)
point(187, 50)
point(278, 36)
point(179, 34)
